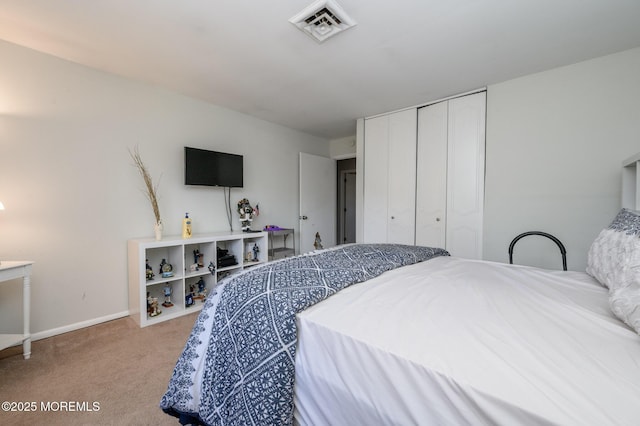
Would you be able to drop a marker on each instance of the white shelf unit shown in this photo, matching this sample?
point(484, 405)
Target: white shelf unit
point(180, 254)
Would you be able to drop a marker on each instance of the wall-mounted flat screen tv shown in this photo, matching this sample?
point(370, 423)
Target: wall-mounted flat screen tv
point(212, 168)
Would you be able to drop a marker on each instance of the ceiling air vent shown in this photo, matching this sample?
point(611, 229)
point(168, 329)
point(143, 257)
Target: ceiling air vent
point(322, 19)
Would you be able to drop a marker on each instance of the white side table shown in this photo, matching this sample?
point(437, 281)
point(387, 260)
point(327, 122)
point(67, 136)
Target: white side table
point(10, 270)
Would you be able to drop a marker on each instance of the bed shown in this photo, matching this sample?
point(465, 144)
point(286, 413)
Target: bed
point(389, 334)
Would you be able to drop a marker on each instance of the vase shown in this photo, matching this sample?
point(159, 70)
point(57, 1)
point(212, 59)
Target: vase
point(157, 227)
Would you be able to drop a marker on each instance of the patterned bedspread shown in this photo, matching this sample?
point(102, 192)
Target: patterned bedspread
point(237, 367)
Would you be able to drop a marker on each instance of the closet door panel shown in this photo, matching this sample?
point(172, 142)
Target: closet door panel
point(465, 175)
point(431, 190)
point(375, 194)
point(402, 177)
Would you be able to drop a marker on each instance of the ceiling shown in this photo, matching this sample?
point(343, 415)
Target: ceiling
point(246, 56)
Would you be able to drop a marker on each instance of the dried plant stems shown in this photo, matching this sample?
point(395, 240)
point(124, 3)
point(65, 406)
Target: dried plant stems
point(152, 189)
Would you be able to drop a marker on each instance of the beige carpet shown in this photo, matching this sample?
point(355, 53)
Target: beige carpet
point(122, 368)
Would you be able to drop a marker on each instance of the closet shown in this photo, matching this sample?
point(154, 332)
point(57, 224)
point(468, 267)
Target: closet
point(424, 176)
point(390, 177)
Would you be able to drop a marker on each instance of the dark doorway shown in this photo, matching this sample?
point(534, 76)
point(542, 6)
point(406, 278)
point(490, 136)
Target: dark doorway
point(346, 201)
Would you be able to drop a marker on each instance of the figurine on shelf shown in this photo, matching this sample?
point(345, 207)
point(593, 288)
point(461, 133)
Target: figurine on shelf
point(149, 300)
point(166, 269)
point(188, 300)
point(318, 242)
point(256, 250)
point(167, 296)
point(150, 273)
point(154, 307)
point(202, 290)
point(212, 268)
point(246, 213)
point(196, 257)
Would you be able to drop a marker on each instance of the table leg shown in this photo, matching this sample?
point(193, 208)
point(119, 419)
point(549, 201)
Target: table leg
point(26, 299)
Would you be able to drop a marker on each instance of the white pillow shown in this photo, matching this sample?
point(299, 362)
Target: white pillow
point(614, 260)
point(625, 304)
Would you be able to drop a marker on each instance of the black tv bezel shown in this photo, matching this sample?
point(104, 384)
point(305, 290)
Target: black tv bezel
point(215, 178)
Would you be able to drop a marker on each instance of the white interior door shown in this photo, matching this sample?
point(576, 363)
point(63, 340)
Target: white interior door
point(465, 180)
point(318, 195)
point(431, 192)
point(402, 177)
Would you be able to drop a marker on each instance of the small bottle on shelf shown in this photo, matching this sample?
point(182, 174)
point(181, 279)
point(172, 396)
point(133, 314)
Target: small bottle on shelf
point(186, 226)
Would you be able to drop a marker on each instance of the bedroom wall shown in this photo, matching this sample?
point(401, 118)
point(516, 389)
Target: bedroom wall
point(73, 197)
point(555, 145)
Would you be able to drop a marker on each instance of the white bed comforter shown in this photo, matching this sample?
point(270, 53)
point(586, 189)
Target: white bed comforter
point(454, 342)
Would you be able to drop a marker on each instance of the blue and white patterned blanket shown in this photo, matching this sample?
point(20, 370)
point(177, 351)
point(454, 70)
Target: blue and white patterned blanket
point(237, 367)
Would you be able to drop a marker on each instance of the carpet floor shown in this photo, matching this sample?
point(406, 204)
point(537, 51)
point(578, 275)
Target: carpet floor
point(109, 374)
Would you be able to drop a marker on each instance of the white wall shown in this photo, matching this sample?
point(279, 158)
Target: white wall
point(555, 145)
point(73, 197)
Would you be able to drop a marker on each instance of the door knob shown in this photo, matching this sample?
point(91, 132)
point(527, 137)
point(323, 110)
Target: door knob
point(303, 217)
point(437, 219)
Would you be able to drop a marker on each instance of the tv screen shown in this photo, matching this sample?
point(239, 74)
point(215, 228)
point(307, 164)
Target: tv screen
point(212, 168)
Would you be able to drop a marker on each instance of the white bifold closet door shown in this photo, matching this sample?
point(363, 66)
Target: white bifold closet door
point(390, 183)
point(431, 191)
point(450, 175)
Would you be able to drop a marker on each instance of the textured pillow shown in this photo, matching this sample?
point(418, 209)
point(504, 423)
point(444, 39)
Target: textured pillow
point(625, 304)
point(614, 260)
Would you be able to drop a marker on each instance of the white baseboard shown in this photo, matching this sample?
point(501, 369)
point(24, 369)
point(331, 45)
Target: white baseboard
point(77, 326)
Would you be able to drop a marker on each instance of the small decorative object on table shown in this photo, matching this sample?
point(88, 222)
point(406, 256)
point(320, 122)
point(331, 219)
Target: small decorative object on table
point(167, 296)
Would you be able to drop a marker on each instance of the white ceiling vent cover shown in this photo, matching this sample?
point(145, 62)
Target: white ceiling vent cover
point(322, 19)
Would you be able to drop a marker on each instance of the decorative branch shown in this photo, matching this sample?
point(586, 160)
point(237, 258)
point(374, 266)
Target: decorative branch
point(152, 189)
